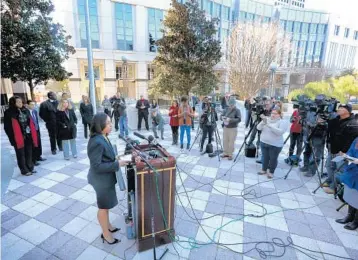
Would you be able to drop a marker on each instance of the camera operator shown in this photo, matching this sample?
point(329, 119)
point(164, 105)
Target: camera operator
point(263, 107)
point(208, 122)
point(342, 130)
point(315, 132)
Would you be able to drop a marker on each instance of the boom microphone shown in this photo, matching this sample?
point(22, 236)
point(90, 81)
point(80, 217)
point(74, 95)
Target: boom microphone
point(152, 140)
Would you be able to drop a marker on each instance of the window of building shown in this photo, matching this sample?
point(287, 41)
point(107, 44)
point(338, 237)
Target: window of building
point(296, 27)
point(321, 29)
point(304, 28)
point(155, 17)
point(355, 35)
point(346, 32)
point(250, 17)
point(224, 35)
point(225, 14)
point(242, 16)
point(289, 26)
point(310, 47)
point(313, 28)
point(318, 48)
point(150, 72)
point(124, 26)
point(93, 14)
point(95, 72)
point(207, 6)
point(125, 71)
point(216, 10)
point(336, 30)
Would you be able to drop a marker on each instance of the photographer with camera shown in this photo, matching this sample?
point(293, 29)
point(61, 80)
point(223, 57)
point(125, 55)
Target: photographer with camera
point(120, 114)
point(342, 130)
point(315, 132)
point(208, 123)
point(259, 107)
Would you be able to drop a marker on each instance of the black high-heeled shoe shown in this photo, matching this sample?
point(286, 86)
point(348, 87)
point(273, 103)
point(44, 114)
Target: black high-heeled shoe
point(110, 243)
point(114, 230)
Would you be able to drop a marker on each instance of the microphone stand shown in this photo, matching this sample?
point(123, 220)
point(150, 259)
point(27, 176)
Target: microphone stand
point(150, 166)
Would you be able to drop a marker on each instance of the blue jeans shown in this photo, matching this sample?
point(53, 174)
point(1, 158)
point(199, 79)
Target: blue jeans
point(123, 125)
point(270, 155)
point(66, 148)
point(185, 128)
point(332, 168)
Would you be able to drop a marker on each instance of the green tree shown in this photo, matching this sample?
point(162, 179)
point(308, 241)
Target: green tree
point(33, 47)
point(188, 51)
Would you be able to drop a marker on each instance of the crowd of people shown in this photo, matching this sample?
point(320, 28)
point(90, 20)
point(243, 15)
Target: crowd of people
point(308, 136)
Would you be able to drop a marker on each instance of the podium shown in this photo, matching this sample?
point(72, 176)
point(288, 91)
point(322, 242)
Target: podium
point(149, 188)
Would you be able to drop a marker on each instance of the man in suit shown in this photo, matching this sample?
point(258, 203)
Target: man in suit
point(48, 111)
point(143, 112)
point(36, 151)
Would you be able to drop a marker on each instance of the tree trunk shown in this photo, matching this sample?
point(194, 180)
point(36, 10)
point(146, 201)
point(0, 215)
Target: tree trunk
point(31, 85)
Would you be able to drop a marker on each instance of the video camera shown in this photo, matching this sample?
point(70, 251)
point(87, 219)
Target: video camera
point(259, 106)
point(321, 106)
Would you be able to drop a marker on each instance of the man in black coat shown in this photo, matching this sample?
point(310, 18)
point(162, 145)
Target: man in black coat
point(36, 151)
point(119, 109)
point(48, 111)
point(143, 106)
point(342, 130)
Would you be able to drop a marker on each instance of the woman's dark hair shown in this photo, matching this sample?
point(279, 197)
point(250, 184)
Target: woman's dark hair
point(12, 101)
point(99, 122)
point(184, 99)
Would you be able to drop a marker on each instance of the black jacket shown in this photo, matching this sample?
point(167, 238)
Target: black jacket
point(86, 113)
point(341, 134)
point(13, 114)
point(48, 111)
point(119, 107)
point(103, 163)
point(66, 125)
point(145, 103)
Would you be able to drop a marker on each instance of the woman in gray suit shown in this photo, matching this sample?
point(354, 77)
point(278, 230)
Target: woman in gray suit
point(101, 175)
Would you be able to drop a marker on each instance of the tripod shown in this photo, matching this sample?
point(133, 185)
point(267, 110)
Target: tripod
point(247, 136)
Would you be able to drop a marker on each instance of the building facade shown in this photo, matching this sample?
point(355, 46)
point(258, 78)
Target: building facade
point(123, 32)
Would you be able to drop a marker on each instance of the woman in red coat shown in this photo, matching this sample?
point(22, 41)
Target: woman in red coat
point(174, 121)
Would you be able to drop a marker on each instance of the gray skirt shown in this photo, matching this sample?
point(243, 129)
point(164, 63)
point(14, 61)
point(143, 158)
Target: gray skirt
point(351, 196)
point(106, 197)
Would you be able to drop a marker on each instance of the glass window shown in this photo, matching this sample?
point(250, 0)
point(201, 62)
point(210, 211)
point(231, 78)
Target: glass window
point(225, 15)
point(318, 48)
point(310, 46)
point(216, 10)
point(355, 35)
point(249, 17)
point(207, 6)
point(95, 72)
point(304, 28)
point(336, 30)
point(346, 32)
point(313, 28)
point(289, 26)
point(224, 35)
point(155, 26)
point(124, 25)
point(93, 12)
point(321, 29)
point(296, 27)
point(242, 16)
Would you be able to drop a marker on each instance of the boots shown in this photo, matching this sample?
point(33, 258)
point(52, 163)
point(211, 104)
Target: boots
point(176, 136)
point(173, 143)
point(354, 224)
point(349, 217)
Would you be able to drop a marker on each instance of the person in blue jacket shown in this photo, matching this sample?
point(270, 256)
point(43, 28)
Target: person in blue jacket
point(350, 180)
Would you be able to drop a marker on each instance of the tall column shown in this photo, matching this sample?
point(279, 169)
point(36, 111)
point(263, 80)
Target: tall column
point(286, 84)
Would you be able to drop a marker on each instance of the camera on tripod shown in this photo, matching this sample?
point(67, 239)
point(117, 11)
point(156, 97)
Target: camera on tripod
point(258, 107)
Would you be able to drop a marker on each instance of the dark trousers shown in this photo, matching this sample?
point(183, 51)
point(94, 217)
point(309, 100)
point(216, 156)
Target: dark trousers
point(37, 151)
point(270, 155)
point(313, 153)
point(207, 130)
point(24, 156)
point(86, 128)
point(175, 130)
point(52, 132)
point(142, 116)
point(296, 139)
point(248, 118)
point(192, 121)
point(116, 122)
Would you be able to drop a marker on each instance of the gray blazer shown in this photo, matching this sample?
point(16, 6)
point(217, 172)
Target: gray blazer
point(103, 163)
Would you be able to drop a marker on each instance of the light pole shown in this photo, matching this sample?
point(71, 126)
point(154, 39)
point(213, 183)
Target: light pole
point(92, 90)
point(125, 76)
point(273, 68)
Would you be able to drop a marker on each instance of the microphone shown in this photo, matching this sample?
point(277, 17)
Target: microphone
point(151, 139)
point(141, 136)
